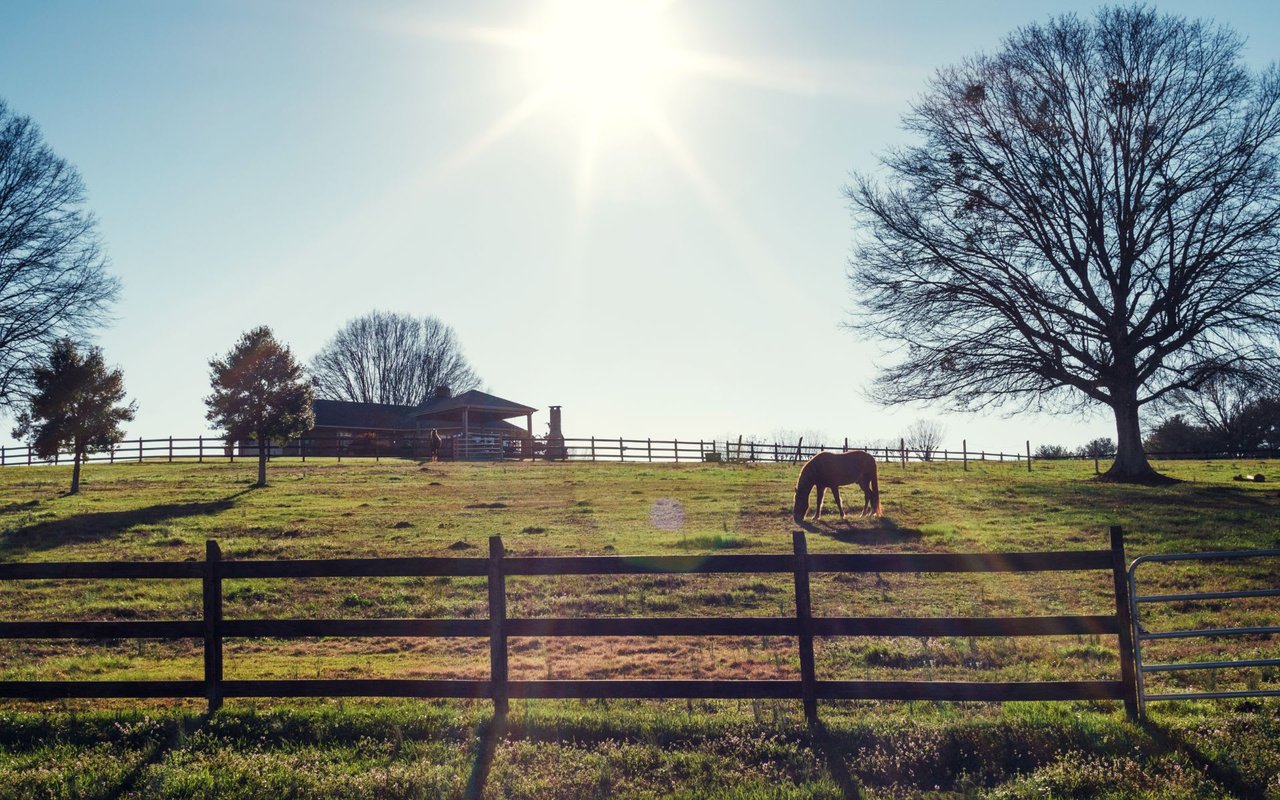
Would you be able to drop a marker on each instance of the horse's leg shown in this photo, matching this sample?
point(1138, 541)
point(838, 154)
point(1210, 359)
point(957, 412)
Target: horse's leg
point(866, 498)
point(817, 513)
point(835, 494)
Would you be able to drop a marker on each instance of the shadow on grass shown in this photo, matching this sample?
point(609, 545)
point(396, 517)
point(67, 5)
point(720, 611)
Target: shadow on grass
point(132, 779)
point(487, 736)
point(882, 531)
point(835, 754)
point(96, 527)
point(1225, 775)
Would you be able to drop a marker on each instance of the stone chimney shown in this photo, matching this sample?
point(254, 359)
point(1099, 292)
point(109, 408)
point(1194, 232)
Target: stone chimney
point(555, 437)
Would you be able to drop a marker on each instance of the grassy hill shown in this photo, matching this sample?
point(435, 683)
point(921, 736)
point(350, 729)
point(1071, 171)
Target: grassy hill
point(642, 749)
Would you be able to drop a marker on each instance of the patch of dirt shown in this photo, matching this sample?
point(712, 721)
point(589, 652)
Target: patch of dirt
point(461, 545)
point(486, 505)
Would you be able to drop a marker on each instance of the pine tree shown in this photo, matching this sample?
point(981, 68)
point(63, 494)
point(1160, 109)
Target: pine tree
point(260, 393)
point(76, 404)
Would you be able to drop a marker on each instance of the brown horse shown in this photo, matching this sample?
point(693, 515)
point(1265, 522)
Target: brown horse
point(833, 470)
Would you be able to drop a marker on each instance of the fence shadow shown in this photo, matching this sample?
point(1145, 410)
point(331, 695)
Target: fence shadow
point(132, 779)
point(487, 737)
point(836, 755)
point(102, 525)
point(1170, 740)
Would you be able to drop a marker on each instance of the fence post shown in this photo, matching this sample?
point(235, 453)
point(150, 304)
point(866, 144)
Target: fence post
point(1128, 667)
point(170, 449)
point(799, 455)
point(649, 444)
point(497, 627)
point(965, 455)
point(201, 446)
point(28, 456)
point(902, 451)
point(2, 449)
point(593, 448)
point(1028, 455)
point(804, 617)
point(621, 450)
point(212, 625)
point(775, 453)
point(675, 448)
point(139, 449)
point(846, 444)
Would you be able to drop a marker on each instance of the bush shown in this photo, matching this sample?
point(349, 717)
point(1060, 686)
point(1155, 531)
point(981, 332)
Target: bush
point(1102, 447)
point(1052, 452)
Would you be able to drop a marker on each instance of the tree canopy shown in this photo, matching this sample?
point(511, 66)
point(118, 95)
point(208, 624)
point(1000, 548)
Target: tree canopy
point(1092, 215)
point(382, 357)
point(260, 393)
point(76, 404)
point(53, 277)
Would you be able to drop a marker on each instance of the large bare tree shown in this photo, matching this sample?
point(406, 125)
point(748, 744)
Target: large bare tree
point(53, 278)
point(1091, 217)
point(382, 357)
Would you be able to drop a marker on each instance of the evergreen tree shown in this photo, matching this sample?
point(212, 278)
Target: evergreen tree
point(75, 404)
point(260, 393)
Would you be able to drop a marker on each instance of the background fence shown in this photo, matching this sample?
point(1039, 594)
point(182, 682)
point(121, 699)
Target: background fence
point(803, 627)
point(485, 447)
point(497, 448)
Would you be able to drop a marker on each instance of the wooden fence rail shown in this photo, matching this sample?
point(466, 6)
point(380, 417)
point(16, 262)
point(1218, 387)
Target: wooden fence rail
point(214, 629)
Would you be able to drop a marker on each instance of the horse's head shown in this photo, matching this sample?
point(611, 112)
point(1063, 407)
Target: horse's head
point(801, 506)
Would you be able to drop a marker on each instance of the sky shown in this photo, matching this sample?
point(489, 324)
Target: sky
point(635, 212)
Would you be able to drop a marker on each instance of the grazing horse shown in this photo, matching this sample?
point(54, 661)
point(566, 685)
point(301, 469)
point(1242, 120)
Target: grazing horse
point(435, 445)
point(833, 470)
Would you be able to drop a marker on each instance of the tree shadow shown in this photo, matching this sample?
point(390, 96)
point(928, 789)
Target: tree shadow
point(837, 757)
point(487, 737)
point(1225, 775)
point(99, 526)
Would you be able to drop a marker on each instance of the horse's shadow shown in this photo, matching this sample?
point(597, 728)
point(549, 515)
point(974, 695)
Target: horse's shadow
point(872, 532)
point(100, 526)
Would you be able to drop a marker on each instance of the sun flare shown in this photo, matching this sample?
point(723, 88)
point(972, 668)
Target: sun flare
point(608, 57)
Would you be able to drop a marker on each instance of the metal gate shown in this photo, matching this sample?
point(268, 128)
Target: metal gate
point(1141, 634)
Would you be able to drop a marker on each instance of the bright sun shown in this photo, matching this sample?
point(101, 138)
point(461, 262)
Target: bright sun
point(610, 57)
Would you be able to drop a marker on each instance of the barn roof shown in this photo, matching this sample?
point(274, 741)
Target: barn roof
point(346, 414)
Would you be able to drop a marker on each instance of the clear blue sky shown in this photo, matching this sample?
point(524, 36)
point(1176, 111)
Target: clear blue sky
point(676, 268)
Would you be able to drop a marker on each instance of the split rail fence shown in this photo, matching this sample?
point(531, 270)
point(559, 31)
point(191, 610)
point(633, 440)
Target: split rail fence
point(214, 629)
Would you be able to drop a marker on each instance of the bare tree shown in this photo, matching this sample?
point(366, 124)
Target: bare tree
point(1236, 415)
point(383, 357)
point(925, 437)
point(53, 279)
point(1093, 217)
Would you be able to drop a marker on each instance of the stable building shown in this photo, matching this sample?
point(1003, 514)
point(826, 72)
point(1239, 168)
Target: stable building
point(473, 425)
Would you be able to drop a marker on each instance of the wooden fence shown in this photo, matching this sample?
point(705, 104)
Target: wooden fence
point(496, 448)
point(214, 629)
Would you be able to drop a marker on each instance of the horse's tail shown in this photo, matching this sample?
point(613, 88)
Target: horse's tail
point(875, 488)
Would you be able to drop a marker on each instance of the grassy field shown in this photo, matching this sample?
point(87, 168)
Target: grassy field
point(633, 749)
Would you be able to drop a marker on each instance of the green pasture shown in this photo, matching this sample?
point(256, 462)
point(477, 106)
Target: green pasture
point(322, 509)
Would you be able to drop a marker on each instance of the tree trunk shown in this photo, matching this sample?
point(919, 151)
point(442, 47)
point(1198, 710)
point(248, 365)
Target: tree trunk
point(75, 473)
point(1130, 465)
point(262, 461)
